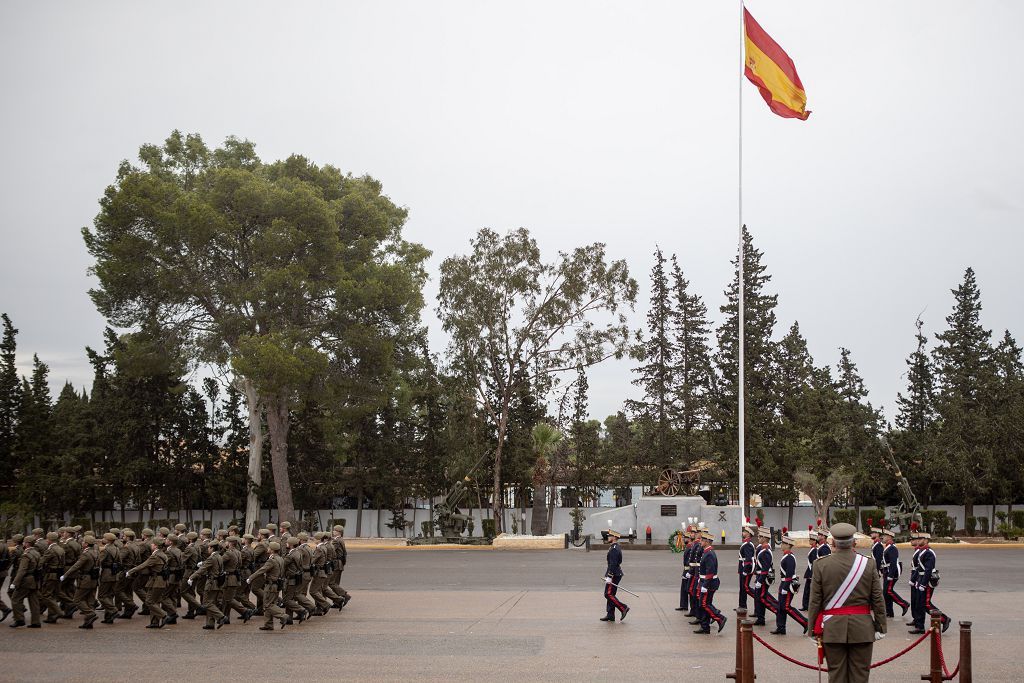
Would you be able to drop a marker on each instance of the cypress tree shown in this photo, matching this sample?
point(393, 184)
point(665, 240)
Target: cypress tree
point(34, 457)
point(691, 369)
point(1006, 408)
point(10, 401)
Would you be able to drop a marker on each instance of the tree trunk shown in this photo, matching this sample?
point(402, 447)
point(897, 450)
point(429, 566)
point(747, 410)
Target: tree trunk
point(277, 425)
point(359, 512)
point(789, 519)
point(498, 501)
point(539, 521)
point(255, 476)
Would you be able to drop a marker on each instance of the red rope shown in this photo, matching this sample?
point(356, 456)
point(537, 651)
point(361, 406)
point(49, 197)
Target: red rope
point(942, 660)
point(812, 667)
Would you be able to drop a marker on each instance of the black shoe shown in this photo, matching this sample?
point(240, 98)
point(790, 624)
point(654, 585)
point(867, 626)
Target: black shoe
point(690, 614)
point(201, 611)
point(946, 621)
point(759, 623)
point(34, 626)
point(721, 624)
point(269, 628)
point(258, 613)
point(601, 619)
point(16, 623)
point(221, 621)
point(916, 631)
point(87, 625)
point(144, 612)
point(702, 632)
point(155, 625)
point(170, 621)
point(247, 615)
point(6, 612)
point(693, 622)
point(226, 621)
point(289, 622)
point(208, 627)
point(302, 616)
point(189, 615)
point(778, 632)
point(108, 619)
point(680, 609)
point(340, 605)
point(625, 611)
point(285, 623)
point(50, 620)
point(905, 608)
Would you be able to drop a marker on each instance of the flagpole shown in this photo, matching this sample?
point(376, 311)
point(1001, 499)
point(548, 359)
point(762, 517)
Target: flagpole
point(742, 390)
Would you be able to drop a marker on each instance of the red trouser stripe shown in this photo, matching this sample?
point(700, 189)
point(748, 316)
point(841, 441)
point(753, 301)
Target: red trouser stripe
point(611, 596)
point(800, 619)
point(704, 603)
point(890, 584)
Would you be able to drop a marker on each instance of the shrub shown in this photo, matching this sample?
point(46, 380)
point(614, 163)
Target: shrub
point(876, 515)
point(1001, 516)
point(984, 525)
point(938, 522)
point(1018, 518)
point(844, 516)
point(488, 527)
point(1010, 532)
point(428, 528)
point(971, 525)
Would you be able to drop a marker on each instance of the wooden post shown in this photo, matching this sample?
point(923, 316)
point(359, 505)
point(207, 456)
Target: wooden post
point(935, 673)
point(741, 614)
point(747, 647)
point(965, 652)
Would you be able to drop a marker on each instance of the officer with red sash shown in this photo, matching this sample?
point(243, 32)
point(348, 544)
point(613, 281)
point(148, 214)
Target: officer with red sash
point(788, 586)
point(612, 577)
point(846, 608)
point(914, 593)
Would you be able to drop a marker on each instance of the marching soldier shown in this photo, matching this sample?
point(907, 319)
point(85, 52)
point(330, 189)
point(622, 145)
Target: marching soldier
point(293, 579)
point(72, 549)
point(877, 550)
point(307, 574)
point(812, 556)
point(927, 579)
point(248, 567)
point(745, 562)
point(172, 573)
point(212, 569)
point(612, 577)
point(53, 567)
point(286, 530)
point(6, 562)
point(788, 586)
point(260, 552)
point(143, 550)
point(764, 571)
point(684, 583)
point(891, 574)
point(846, 608)
point(189, 563)
point(273, 537)
point(25, 584)
point(695, 555)
point(824, 549)
point(233, 582)
point(271, 578)
point(319, 581)
point(108, 560)
point(154, 569)
point(129, 556)
point(338, 538)
point(914, 562)
point(709, 584)
point(332, 561)
point(87, 569)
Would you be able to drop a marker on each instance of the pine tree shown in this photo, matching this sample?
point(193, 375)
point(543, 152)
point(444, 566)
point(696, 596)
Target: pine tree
point(657, 376)
point(759, 353)
point(33, 453)
point(10, 401)
point(691, 369)
point(1006, 407)
point(963, 363)
point(916, 410)
point(859, 425)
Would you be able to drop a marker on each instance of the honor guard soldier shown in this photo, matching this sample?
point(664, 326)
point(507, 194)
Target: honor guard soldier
point(684, 582)
point(87, 569)
point(812, 556)
point(788, 586)
point(696, 550)
point(846, 608)
point(764, 575)
point(877, 549)
point(709, 584)
point(612, 577)
point(271, 577)
point(25, 584)
point(824, 549)
point(927, 580)
point(914, 561)
point(745, 564)
point(891, 569)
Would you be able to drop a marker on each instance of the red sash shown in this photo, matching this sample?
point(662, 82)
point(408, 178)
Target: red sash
point(838, 611)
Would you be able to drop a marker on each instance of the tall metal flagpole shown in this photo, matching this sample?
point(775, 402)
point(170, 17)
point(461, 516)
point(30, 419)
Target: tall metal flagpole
point(742, 388)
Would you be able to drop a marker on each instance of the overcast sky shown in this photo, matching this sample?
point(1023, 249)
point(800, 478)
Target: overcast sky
point(581, 121)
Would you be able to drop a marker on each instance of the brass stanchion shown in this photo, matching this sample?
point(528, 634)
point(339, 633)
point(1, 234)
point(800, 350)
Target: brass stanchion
point(965, 652)
point(935, 673)
point(747, 649)
point(741, 614)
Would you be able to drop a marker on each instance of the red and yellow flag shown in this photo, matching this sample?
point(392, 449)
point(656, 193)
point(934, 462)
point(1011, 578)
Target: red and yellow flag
point(773, 72)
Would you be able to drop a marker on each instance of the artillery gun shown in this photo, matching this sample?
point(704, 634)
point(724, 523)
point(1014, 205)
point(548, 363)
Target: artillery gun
point(447, 517)
point(909, 510)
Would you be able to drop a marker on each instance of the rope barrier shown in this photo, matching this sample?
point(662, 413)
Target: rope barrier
point(812, 667)
point(942, 660)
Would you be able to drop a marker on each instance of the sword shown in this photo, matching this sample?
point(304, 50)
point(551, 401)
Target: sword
point(625, 589)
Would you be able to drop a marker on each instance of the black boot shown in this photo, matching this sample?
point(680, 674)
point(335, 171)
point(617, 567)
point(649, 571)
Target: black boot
point(190, 614)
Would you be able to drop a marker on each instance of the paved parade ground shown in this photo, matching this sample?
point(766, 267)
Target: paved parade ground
point(476, 615)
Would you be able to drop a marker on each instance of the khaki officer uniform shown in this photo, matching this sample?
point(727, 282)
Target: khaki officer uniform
point(233, 583)
point(293, 579)
point(87, 569)
point(307, 573)
point(329, 569)
point(211, 569)
point(271, 577)
point(205, 537)
point(53, 567)
point(189, 562)
point(142, 551)
point(172, 573)
point(260, 553)
point(128, 556)
point(72, 549)
point(26, 583)
point(319, 572)
point(847, 638)
point(111, 575)
point(339, 566)
point(273, 537)
point(156, 582)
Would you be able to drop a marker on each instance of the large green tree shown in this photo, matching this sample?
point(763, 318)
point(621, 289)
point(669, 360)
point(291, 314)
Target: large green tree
point(516, 321)
point(694, 377)
point(274, 270)
point(10, 400)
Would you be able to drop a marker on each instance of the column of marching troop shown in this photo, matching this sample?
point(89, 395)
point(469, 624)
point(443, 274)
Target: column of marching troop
point(757, 574)
point(67, 572)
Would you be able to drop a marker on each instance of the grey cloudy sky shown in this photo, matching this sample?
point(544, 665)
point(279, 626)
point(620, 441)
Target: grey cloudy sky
point(582, 121)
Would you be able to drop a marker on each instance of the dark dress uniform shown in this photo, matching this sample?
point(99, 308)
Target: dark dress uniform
point(745, 570)
point(925, 586)
point(914, 572)
point(890, 575)
point(812, 556)
point(763, 567)
point(694, 588)
point(684, 583)
point(788, 585)
point(709, 585)
point(613, 572)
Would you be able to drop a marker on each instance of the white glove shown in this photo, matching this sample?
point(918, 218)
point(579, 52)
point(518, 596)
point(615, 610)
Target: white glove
point(62, 577)
point(757, 584)
point(607, 579)
point(190, 582)
point(920, 586)
point(686, 575)
point(703, 590)
point(783, 591)
point(249, 580)
point(879, 636)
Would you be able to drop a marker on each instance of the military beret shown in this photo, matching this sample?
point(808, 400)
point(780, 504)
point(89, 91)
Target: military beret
point(843, 531)
point(163, 530)
point(89, 540)
point(61, 530)
point(128, 533)
point(215, 543)
point(191, 535)
point(248, 537)
point(275, 546)
point(18, 538)
point(206, 531)
point(37, 532)
point(30, 539)
point(114, 530)
point(52, 536)
point(293, 541)
point(286, 525)
point(272, 526)
point(109, 537)
point(76, 528)
point(173, 538)
point(338, 527)
point(303, 536)
point(264, 532)
point(147, 532)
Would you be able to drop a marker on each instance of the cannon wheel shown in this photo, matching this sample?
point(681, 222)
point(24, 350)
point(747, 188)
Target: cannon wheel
point(668, 482)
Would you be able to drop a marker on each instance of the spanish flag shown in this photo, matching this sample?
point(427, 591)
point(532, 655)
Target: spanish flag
point(773, 72)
